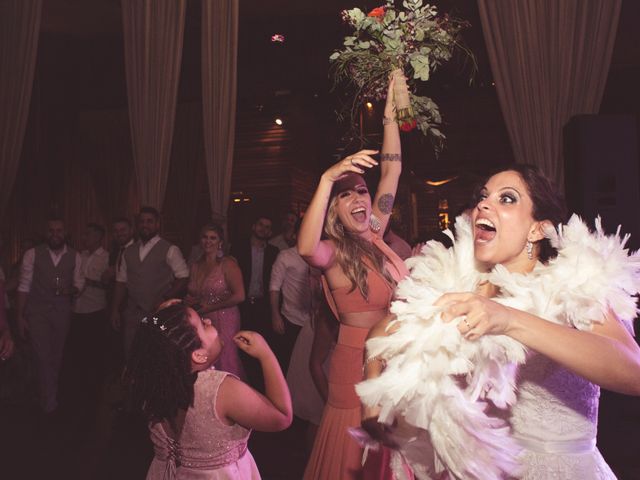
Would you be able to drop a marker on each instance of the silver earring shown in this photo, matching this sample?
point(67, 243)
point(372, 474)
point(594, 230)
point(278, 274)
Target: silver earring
point(374, 223)
point(529, 248)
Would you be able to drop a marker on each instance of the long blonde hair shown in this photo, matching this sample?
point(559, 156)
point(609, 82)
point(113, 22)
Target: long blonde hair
point(353, 252)
point(201, 271)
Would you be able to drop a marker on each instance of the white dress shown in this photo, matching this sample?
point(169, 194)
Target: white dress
point(518, 414)
point(555, 419)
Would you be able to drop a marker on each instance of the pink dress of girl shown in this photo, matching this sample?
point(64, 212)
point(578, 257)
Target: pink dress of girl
point(336, 455)
point(214, 289)
point(207, 448)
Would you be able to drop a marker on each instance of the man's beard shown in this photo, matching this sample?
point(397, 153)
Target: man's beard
point(55, 244)
point(145, 237)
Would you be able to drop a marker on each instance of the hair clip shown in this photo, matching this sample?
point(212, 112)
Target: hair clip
point(155, 321)
point(144, 321)
point(163, 327)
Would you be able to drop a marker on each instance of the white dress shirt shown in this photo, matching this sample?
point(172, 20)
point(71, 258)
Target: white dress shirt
point(26, 269)
point(299, 284)
point(92, 298)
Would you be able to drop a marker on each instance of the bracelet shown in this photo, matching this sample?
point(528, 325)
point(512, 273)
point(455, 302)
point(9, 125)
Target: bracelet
point(387, 121)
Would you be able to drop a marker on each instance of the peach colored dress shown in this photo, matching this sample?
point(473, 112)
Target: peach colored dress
point(336, 455)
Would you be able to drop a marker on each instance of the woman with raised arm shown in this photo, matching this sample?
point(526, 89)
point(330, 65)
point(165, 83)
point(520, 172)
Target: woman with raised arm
point(200, 418)
point(560, 303)
point(361, 272)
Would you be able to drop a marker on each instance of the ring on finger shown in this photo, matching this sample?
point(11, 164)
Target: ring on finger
point(466, 322)
point(352, 162)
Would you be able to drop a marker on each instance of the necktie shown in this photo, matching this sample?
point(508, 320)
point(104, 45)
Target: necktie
point(120, 255)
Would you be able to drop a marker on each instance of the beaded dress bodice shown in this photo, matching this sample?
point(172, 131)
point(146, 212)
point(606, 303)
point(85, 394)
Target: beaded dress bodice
point(205, 441)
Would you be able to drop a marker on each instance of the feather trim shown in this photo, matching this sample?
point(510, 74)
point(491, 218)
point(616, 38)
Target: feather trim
point(426, 358)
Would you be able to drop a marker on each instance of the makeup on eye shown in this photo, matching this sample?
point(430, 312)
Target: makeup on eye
point(508, 198)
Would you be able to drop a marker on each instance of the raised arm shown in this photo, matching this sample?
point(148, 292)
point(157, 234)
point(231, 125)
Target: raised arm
point(242, 404)
point(316, 252)
point(390, 162)
point(607, 356)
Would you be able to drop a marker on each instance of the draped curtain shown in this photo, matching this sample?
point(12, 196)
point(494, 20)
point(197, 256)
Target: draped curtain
point(550, 60)
point(219, 60)
point(105, 147)
point(19, 32)
point(153, 37)
point(187, 178)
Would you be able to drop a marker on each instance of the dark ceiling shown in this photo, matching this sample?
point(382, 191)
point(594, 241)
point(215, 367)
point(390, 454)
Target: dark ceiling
point(85, 37)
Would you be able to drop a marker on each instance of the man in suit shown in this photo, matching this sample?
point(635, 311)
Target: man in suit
point(50, 276)
point(152, 270)
point(255, 257)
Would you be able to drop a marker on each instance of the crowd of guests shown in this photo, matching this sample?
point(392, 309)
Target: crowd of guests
point(245, 337)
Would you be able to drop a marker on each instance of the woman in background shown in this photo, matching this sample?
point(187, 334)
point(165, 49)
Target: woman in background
point(215, 290)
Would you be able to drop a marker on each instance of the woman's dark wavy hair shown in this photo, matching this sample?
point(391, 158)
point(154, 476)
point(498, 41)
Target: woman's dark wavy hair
point(548, 202)
point(158, 373)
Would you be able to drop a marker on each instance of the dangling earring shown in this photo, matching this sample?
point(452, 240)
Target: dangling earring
point(220, 252)
point(374, 223)
point(529, 248)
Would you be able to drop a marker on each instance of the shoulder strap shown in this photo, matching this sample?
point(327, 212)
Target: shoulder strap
point(396, 261)
point(329, 297)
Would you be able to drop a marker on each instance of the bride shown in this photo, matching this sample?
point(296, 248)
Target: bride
point(513, 291)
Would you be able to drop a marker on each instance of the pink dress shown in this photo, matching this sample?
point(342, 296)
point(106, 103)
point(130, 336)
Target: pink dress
point(214, 289)
point(207, 449)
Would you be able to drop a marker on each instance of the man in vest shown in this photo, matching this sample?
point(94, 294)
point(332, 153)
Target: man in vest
point(49, 277)
point(152, 271)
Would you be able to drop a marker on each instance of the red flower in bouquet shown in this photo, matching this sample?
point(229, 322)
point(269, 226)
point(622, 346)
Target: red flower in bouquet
point(408, 125)
point(377, 12)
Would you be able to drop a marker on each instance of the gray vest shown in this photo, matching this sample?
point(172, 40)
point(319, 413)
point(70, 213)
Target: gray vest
point(148, 280)
point(47, 278)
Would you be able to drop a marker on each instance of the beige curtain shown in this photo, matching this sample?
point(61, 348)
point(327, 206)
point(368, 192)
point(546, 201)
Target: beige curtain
point(19, 31)
point(187, 174)
point(153, 36)
point(104, 145)
point(219, 59)
point(550, 60)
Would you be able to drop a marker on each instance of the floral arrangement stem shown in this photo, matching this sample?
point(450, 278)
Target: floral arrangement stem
point(401, 96)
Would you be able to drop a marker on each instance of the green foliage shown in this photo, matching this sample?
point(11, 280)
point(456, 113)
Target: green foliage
point(413, 38)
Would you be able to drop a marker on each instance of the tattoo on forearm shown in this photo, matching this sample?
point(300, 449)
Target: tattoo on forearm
point(391, 157)
point(385, 203)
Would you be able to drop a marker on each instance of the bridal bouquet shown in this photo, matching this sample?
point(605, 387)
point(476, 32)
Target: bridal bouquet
point(414, 39)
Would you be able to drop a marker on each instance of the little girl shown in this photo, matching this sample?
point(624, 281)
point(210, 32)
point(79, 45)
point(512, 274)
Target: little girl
point(200, 418)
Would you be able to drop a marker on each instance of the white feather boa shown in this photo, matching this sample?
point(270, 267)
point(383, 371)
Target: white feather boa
point(425, 357)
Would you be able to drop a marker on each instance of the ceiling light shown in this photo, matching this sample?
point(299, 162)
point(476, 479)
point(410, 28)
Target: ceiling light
point(437, 183)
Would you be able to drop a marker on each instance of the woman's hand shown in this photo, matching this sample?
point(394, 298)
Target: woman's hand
point(353, 163)
point(417, 249)
point(379, 431)
point(480, 315)
point(390, 105)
